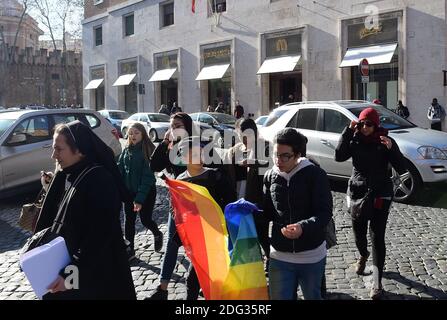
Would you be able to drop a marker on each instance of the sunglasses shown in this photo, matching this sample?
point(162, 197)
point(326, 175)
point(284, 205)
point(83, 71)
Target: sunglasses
point(284, 157)
point(366, 124)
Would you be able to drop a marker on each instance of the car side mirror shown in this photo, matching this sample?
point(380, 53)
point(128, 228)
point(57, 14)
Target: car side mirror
point(17, 138)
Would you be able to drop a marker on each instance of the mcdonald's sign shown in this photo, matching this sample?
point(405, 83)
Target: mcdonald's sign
point(281, 45)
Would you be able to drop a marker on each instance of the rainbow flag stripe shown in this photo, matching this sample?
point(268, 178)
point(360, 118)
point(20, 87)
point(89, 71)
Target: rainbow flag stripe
point(246, 279)
point(202, 229)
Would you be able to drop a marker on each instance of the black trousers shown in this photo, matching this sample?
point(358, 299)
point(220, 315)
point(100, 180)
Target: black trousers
point(262, 229)
point(377, 226)
point(145, 217)
point(192, 284)
point(437, 126)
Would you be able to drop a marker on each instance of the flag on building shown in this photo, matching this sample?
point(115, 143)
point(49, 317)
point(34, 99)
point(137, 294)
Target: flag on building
point(246, 278)
point(193, 6)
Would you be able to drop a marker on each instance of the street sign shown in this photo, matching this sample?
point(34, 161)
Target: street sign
point(365, 79)
point(364, 67)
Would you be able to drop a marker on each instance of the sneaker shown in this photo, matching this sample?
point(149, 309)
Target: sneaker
point(376, 293)
point(158, 242)
point(361, 265)
point(130, 253)
point(158, 294)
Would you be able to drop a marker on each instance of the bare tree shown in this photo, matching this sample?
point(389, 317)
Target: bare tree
point(22, 17)
point(45, 8)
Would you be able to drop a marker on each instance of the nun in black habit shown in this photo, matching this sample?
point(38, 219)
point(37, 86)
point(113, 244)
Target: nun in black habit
point(91, 228)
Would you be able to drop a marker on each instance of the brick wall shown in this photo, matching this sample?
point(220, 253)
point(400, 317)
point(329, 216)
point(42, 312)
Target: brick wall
point(38, 78)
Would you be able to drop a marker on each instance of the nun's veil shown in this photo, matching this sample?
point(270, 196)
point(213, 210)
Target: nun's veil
point(96, 151)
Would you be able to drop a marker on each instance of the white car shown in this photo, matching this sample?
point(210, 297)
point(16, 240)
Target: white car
point(261, 121)
point(156, 124)
point(322, 122)
point(26, 139)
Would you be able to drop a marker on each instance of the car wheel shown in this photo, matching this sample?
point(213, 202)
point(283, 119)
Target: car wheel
point(153, 135)
point(124, 132)
point(407, 188)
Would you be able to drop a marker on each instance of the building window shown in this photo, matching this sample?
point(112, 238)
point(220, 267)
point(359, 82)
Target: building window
point(98, 36)
point(167, 14)
point(129, 25)
point(55, 76)
point(218, 6)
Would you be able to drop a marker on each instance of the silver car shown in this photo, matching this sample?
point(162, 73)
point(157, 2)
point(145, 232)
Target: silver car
point(26, 143)
point(156, 124)
point(323, 122)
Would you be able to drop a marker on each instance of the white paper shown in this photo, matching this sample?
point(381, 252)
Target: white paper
point(42, 265)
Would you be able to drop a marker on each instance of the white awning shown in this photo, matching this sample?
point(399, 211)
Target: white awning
point(213, 72)
point(374, 54)
point(281, 64)
point(124, 80)
point(94, 84)
point(162, 75)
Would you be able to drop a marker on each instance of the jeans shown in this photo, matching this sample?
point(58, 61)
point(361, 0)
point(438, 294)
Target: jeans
point(145, 217)
point(285, 277)
point(170, 258)
point(377, 228)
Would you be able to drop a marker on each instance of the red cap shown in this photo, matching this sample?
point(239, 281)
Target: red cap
point(377, 101)
point(371, 115)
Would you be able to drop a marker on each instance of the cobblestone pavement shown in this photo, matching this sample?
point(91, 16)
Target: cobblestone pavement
point(416, 264)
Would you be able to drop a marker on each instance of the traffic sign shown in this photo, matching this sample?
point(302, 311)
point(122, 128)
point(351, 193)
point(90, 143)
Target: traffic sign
point(364, 67)
point(365, 79)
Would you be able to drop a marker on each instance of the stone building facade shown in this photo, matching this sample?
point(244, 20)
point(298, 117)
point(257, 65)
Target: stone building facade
point(263, 52)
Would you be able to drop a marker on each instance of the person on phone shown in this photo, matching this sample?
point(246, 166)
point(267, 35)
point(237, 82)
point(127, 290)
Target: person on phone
point(298, 200)
point(370, 189)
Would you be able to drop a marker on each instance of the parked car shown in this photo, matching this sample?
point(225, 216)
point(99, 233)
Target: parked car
point(322, 123)
point(260, 121)
point(156, 124)
point(115, 117)
point(26, 143)
point(223, 124)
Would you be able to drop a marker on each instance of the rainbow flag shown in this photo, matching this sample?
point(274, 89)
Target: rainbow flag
point(202, 229)
point(246, 278)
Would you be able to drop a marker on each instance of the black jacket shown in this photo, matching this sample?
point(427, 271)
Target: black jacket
point(370, 164)
point(217, 184)
point(160, 161)
point(306, 198)
point(92, 232)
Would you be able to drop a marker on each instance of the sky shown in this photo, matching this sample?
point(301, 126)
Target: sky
point(73, 23)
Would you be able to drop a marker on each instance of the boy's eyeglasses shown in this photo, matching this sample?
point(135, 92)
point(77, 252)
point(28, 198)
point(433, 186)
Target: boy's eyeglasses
point(284, 157)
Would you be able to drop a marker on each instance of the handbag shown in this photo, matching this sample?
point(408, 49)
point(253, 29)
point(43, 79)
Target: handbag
point(48, 234)
point(30, 212)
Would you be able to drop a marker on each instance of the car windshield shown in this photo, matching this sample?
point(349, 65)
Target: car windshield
point(261, 120)
point(224, 118)
point(118, 115)
point(388, 119)
point(5, 124)
point(273, 116)
point(159, 118)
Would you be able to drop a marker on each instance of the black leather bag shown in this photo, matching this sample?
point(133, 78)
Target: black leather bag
point(361, 199)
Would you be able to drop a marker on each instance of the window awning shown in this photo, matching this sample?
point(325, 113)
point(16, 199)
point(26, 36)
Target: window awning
point(374, 54)
point(162, 75)
point(124, 80)
point(281, 64)
point(213, 72)
point(94, 84)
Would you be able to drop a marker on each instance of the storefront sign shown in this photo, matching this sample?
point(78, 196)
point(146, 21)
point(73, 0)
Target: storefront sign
point(365, 32)
point(128, 67)
point(283, 45)
point(166, 61)
point(217, 55)
point(97, 73)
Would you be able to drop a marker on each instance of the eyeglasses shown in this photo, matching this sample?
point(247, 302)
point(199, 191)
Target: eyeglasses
point(366, 124)
point(284, 157)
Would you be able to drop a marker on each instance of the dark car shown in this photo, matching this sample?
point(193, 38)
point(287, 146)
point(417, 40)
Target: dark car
point(223, 124)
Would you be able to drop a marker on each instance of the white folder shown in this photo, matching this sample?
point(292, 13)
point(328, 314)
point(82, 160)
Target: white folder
point(42, 265)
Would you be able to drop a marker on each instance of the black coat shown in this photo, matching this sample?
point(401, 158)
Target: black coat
point(92, 232)
point(306, 199)
point(370, 164)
